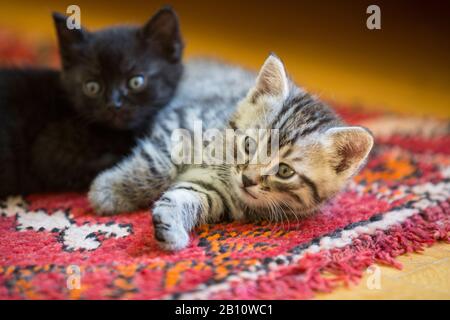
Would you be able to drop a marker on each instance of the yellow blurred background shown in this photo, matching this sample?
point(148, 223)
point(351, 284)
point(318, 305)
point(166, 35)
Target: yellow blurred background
point(403, 67)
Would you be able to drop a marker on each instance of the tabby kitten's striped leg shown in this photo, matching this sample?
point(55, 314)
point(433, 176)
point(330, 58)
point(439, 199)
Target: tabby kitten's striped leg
point(135, 182)
point(181, 208)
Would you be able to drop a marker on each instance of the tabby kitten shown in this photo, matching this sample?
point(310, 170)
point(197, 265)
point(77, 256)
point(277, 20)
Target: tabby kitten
point(317, 155)
point(59, 129)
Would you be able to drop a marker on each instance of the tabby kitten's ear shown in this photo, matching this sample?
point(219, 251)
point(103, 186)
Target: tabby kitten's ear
point(272, 80)
point(163, 31)
point(348, 148)
point(68, 39)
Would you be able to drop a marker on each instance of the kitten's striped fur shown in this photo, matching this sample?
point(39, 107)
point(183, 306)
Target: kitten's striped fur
point(320, 150)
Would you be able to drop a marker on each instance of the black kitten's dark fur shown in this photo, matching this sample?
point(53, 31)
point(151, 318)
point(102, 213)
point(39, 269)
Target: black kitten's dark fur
point(59, 129)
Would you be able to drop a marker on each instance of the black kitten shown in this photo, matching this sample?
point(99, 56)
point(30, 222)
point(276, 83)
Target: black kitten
point(58, 130)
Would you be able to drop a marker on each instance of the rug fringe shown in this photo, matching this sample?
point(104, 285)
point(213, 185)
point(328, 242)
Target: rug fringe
point(324, 271)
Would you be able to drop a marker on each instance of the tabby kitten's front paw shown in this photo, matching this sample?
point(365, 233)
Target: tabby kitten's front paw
point(105, 196)
point(169, 231)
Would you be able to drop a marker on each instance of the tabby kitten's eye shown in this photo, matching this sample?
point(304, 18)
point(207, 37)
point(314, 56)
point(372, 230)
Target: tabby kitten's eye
point(91, 88)
point(136, 83)
point(284, 171)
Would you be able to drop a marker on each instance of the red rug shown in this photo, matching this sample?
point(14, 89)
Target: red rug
point(54, 247)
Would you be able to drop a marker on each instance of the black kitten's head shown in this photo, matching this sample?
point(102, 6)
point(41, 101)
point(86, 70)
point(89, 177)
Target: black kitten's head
point(121, 76)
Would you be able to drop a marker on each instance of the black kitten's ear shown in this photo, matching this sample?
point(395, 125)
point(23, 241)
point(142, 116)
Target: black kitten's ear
point(68, 39)
point(163, 30)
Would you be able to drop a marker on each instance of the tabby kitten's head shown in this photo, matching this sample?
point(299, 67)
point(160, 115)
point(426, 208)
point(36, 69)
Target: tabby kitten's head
point(318, 153)
point(120, 76)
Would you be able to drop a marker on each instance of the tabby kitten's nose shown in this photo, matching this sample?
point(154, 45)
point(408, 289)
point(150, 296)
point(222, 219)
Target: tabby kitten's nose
point(247, 182)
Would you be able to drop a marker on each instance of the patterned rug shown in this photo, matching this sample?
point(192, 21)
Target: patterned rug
point(54, 247)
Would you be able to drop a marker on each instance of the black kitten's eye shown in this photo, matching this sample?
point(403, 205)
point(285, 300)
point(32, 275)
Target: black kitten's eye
point(136, 83)
point(91, 88)
point(249, 145)
point(284, 171)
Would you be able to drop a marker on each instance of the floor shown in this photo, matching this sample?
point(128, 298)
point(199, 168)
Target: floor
point(402, 68)
point(425, 275)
